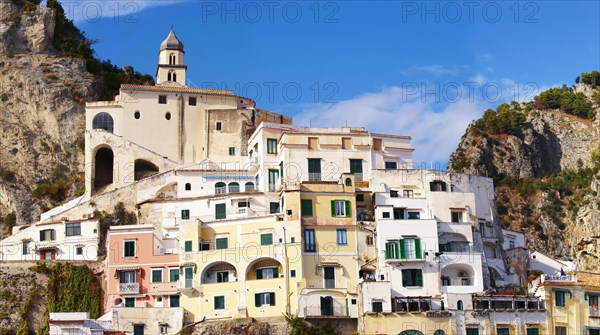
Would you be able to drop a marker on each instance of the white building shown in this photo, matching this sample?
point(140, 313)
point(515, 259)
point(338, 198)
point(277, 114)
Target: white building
point(62, 240)
point(75, 323)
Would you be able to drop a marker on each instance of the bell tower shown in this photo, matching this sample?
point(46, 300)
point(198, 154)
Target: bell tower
point(171, 69)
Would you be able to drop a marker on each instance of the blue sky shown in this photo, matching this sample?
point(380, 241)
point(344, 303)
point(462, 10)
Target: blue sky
point(424, 69)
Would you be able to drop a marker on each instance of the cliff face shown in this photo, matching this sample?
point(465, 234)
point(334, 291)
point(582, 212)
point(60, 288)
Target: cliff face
point(546, 179)
point(42, 98)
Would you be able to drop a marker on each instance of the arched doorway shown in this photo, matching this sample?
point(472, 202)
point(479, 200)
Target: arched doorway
point(411, 332)
point(103, 168)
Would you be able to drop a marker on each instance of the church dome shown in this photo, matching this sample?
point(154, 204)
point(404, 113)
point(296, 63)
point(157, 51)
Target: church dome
point(171, 42)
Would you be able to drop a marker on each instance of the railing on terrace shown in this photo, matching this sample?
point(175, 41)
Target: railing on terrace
point(455, 247)
point(314, 177)
point(326, 311)
point(457, 281)
point(128, 288)
point(594, 311)
point(504, 303)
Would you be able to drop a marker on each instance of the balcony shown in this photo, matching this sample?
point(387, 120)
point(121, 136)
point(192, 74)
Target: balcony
point(128, 288)
point(559, 278)
point(457, 281)
point(456, 246)
point(314, 176)
point(338, 311)
point(594, 312)
point(358, 176)
point(500, 303)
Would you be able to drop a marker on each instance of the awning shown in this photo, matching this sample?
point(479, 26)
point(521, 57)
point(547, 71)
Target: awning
point(369, 267)
point(335, 264)
point(133, 295)
point(128, 268)
point(458, 208)
point(47, 247)
point(154, 294)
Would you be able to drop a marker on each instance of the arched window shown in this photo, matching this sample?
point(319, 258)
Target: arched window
point(348, 182)
point(249, 187)
point(172, 59)
point(220, 188)
point(439, 332)
point(103, 121)
point(234, 187)
point(411, 332)
point(188, 186)
point(459, 305)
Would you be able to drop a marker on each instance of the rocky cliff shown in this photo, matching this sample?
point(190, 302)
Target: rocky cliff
point(545, 164)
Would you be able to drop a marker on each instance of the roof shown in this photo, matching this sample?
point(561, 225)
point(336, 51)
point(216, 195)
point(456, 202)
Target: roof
point(176, 89)
point(171, 42)
point(589, 278)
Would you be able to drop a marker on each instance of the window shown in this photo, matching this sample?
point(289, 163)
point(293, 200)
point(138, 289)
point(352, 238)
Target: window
point(340, 208)
point(385, 215)
point(188, 186)
point(306, 207)
point(164, 329)
point(192, 101)
point(162, 99)
point(266, 239)
point(234, 187)
point(437, 186)
point(264, 299)
point(342, 237)
point(231, 151)
point(157, 275)
point(412, 277)
point(168, 116)
point(222, 276)
point(173, 275)
point(593, 301)
point(329, 276)
point(204, 246)
point(103, 121)
point(391, 165)
point(185, 214)
point(129, 248)
point(267, 273)
point(218, 126)
point(369, 240)
point(79, 251)
point(456, 216)
point(309, 240)
point(220, 211)
point(219, 302)
point(314, 169)
point(408, 248)
point(407, 193)
point(222, 243)
point(188, 275)
point(399, 213)
point(174, 301)
point(243, 204)
point(502, 331)
point(26, 248)
point(271, 146)
point(472, 331)
point(129, 302)
point(560, 330)
point(293, 273)
point(137, 115)
point(377, 306)
point(249, 187)
point(377, 144)
point(188, 246)
point(47, 235)
point(360, 197)
point(511, 244)
point(172, 59)
point(274, 208)
point(220, 188)
point(127, 277)
point(533, 331)
point(273, 178)
point(346, 143)
point(559, 298)
point(353, 301)
point(356, 168)
point(414, 215)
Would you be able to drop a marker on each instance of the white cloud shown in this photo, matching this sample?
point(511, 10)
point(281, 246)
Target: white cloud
point(93, 10)
point(435, 128)
point(435, 69)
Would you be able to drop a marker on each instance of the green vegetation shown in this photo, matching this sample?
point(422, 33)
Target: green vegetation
point(300, 327)
point(506, 119)
point(70, 41)
point(70, 289)
point(590, 78)
point(23, 328)
point(565, 99)
point(7, 175)
point(54, 189)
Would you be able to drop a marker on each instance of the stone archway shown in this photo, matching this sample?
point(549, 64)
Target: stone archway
point(103, 167)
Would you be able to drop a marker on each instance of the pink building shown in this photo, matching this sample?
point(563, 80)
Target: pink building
point(143, 267)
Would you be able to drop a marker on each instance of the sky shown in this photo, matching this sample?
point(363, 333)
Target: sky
point(425, 69)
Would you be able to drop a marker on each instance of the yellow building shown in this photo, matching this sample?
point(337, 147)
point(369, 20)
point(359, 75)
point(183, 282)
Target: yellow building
point(572, 303)
point(327, 212)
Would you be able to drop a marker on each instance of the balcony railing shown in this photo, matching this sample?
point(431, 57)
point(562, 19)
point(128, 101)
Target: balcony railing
point(330, 311)
point(221, 190)
point(457, 281)
point(314, 176)
point(358, 177)
point(457, 246)
point(594, 312)
point(128, 288)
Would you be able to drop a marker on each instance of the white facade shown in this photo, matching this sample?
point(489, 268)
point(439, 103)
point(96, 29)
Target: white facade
point(76, 323)
point(65, 240)
point(512, 239)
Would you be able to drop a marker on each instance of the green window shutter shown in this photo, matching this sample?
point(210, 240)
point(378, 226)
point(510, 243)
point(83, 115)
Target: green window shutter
point(348, 214)
point(419, 278)
point(221, 243)
point(402, 249)
point(266, 239)
point(405, 279)
point(275, 273)
point(259, 274)
point(306, 207)
point(388, 250)
point(272, 298)
point(418, 248)
point(333, 208)
point(188, 246)
point(257, 300)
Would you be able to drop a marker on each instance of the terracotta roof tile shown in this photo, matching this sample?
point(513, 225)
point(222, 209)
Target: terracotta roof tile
point(157, 88)
point(588, 278)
